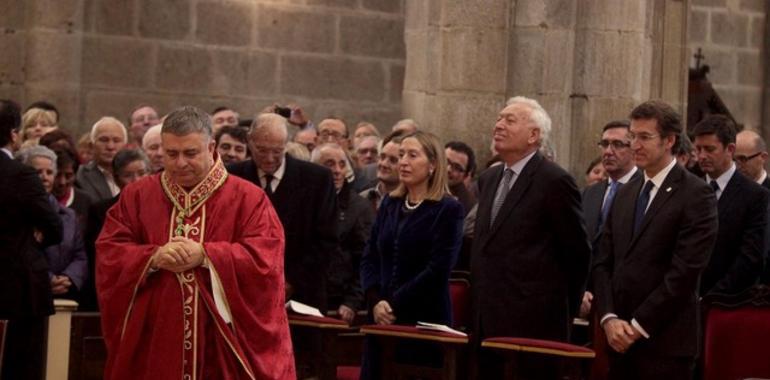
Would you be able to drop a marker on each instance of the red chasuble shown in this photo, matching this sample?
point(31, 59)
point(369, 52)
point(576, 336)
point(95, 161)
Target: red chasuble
point(165, 325)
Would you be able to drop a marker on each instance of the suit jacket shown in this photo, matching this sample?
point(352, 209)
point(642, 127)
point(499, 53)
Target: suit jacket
point(25, 290)
point(766, 183)
point(97, 213)
point(736, 261)
point(306, 203)
point(80, 204)
point(91, 180)
point(653, 276)
point(68, 257)
point(529, 268)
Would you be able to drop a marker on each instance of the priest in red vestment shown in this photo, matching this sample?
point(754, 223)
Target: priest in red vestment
point(189, 270)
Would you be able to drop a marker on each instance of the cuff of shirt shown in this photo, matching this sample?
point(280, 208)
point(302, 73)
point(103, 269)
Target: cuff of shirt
point(607, 317)
point(639, 328)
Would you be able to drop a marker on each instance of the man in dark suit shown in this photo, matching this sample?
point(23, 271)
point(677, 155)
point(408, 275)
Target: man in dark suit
point(304, 197)
point(28, 224)
point(736, 261)
point(656, 242)
point(108, 136)
point(751, 156)
point(618, 162)
point(530, 257)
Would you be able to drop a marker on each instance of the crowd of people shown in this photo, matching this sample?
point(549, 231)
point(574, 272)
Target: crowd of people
point(188, 232)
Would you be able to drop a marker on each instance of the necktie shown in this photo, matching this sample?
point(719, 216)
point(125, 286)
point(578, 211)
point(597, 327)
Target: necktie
point(502, 191)
point(269, 184)
point(641, 205)
point(614, 185)
point(715, 186)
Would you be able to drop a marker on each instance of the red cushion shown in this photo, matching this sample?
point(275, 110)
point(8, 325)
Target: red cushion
point(543, 346)
point(348, 373)
point(736, 343)
point(412, 332)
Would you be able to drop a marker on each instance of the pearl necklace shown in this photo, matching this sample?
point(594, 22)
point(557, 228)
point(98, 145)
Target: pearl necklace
point(410, 207)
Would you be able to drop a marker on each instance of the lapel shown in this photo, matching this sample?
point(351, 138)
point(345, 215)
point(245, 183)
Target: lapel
point(98, 181)
point(593, 211)
point(523, 181)
point(729, 194)
point(486, 199)
point(669, 187)
point(287, 183)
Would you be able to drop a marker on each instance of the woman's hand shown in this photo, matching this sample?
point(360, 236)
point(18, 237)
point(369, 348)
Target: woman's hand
point(383, 313)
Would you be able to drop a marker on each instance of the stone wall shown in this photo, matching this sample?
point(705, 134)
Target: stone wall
point(103, 57)
point(733, 37)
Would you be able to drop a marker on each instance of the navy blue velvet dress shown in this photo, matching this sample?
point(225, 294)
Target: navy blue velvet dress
point(407, 262)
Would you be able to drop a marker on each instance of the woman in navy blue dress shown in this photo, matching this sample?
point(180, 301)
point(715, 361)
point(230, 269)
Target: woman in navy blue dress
point(413, 246)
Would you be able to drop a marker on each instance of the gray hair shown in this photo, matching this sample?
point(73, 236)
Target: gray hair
point(185, 120)
point(154, 130)
point(108, 120)
point(270, 122)
point(537, 116)
point(315, 157)
point(26, 155)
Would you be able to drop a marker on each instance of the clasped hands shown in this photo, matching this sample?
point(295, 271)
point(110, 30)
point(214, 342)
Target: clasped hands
point(60, 284)
point(178, 255)
point(620, 334)
point(383, 313)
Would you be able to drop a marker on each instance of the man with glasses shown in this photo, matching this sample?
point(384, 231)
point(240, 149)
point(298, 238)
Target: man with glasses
point(461, 164)
point(618, 161)
point(655, 243)
point(751, 155)
point(304, 197)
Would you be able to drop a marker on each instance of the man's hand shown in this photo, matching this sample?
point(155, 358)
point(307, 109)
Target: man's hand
point(60, 284)
point(178, 255)
point(298, 117)
point(620, 334)
point(383, 313)
point(346, 314)
point(585, 305)
point(37, 235)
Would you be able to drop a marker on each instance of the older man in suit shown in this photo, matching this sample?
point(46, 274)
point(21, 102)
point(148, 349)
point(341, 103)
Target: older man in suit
point(656, 242)
point(531, 254)
point(736, 261)
point(27, 225)
point(108, 136)
point(618, 162)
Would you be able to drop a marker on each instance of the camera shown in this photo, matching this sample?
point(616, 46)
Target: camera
point(283, 111)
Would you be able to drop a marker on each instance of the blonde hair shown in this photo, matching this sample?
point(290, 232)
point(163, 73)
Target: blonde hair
point(32, 116)
point(438, 181)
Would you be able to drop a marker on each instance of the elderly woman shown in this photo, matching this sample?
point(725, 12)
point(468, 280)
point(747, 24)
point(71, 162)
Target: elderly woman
point(412, 248)
point(68, 266)
point(35, 123)
point(355, 218)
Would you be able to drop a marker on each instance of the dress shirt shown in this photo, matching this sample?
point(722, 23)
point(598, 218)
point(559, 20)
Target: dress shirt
point(277, 176)
point(622, 180)
point(722, 180)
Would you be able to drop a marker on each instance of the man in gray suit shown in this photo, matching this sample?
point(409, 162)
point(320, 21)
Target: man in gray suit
point(618, 161)
point(108, 136)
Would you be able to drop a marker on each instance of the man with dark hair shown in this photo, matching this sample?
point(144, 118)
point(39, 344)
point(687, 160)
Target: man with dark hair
point(387, 170)
point(28, 225)
point(232, 144)
point(461, 164)
point(223, 117)
point(736, 261)
point(618, 161)
point(178, 270)
point(655, 243)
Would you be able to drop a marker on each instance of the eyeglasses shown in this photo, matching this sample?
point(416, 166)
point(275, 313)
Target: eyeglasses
point(326, 133)
point(743, 159)
point(455, 167)
point(264, 151)
point(643, 137)
point(615, 144)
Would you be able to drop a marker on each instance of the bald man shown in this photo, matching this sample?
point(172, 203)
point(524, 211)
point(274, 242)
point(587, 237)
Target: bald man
point(751, 156)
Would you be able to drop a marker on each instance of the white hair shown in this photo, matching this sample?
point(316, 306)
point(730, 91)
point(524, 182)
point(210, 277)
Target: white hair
point(315, 157)
point(154, 130)
point(108, 120)
point(537, 116)
point(270, 122)
point(26, 155)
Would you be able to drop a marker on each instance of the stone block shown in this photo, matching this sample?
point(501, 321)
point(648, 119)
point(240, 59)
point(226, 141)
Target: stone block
point(227, 23)
point(558, 61)
point(243, 73)
point(422, 68)
point(546, 13)
point(12, 14)
point(476, 13)
point(53, 57)
point(372, 36)
point(729, 29)
point(65, 15)
point(750, 68)
point(65, 97)
point(327, 78)
point(627, 15)
point(334, 3)
point(526, 58)
point(711, 3)
point(473, 59)
point(113, 17)
point(168, 19)
point(754, 5)
point(295, 30)
point(389, 6)
point(757, 32)
point(744, 104)
point(698, 25)
point(12, 59)
point(117, 62)
point(13, 92)
point(723, 66)
point(608, 63)
point(396, 83)
point(185, 69)
point(118, 104)
point(412, 106)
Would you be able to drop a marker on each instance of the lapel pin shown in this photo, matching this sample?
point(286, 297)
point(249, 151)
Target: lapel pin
point(668, 189)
